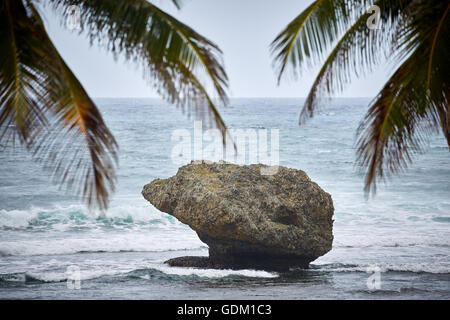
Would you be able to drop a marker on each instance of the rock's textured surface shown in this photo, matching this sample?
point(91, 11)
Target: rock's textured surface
point(248, 219)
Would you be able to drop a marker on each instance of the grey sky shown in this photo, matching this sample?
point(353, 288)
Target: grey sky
point(243, 29)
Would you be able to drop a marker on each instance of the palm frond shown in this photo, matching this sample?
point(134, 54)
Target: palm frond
point(72, 139)
point(21, 66)
point(355, 54)
point(308, 37)
point(414, 102)
point(177, 3)
point(163, 45)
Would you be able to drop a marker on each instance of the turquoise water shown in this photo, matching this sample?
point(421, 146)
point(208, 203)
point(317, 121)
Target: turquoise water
point(404, 232)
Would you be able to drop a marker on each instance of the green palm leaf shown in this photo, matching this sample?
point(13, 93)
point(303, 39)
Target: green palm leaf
point(308, 37)
point(357, 52)
point(415, 100)
point(45, 107)
point(164, 46)
point(22, 66)
point(62, 125)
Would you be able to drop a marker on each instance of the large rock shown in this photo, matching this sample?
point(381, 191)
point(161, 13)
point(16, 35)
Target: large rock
point(248, 219)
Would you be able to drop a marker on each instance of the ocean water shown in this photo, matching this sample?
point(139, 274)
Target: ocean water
point(393, 246)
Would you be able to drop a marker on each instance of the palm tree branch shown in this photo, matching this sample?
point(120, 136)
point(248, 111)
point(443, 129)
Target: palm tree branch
point(14, 53)
point(77, 112)
point(309, 35)
point(220, 123)
point(324, 77)
point(286, 53)
point(176, 25)
point(433, 45)
point(148, 35)
point(19, 114)
point(357, 51)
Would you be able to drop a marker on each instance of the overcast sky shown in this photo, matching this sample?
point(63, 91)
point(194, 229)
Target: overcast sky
point(243, 29)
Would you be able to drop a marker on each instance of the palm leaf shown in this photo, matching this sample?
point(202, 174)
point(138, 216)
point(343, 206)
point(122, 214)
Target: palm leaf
point(163, 45)
point(71, 139)
point(21, 67)
point(412, 104)
point(355, 54)
point(415, 100)
point(308, 37)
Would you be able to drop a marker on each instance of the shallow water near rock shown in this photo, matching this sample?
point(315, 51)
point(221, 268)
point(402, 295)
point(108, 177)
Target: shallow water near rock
point(402, 235)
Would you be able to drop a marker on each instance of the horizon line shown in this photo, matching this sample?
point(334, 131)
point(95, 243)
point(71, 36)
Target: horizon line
point(243, 97)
